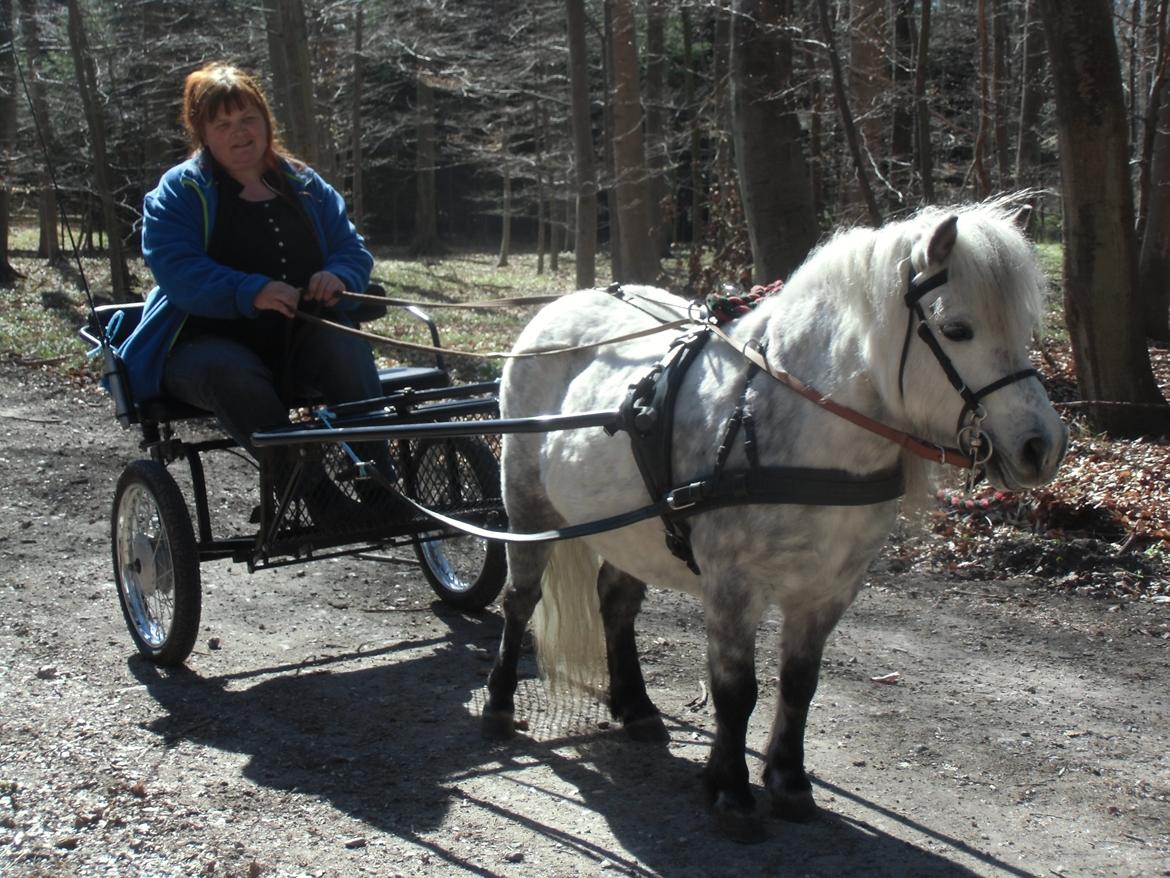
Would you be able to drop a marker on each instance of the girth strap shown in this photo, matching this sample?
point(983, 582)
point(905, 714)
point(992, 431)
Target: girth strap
point(768, 485)
point(785, 484)
point(647, 414)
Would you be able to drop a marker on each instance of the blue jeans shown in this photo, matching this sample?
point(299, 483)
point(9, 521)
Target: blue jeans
point(230, 380)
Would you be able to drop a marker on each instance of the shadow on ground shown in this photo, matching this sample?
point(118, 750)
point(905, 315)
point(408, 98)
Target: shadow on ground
point(395, 746)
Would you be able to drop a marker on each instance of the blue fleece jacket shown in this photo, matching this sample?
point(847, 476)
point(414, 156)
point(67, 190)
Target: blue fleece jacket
point(177, 220)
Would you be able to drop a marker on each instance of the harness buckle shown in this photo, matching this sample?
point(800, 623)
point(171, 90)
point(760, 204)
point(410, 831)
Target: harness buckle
point(685, 496)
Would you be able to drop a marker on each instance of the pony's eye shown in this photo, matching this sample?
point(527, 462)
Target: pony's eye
point(956, 331)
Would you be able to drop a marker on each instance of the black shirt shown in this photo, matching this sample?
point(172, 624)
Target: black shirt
point(272, 238)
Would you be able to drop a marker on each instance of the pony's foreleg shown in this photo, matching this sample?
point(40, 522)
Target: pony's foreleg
point(731, 663)
point(802, 642)
point(621, 597)
point(526, 564)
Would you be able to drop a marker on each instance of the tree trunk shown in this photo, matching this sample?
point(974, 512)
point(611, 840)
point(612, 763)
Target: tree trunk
point(541, 215)
point(158, 102)
point(1154, 260)
point(721, 72)
point(816, 145)
point(282, 102)
point(585, 240)
point(843, 108)
point(657, 149)
point(87, 88)
point(505, 222)
point(613, 215)
point(1000, 79)
point(639, 257)
point(1100, 251)
point(902, 130)
point(925, 151)
point(556, 227)
point(696, 131)
point(355, 139)
point(426, 212)
point(1032, 98)
point(48, 245)
point(1149, 128)
point(544, 188)
point(775, 185)
point(8, 88)
point(868, 82)
point(979, 157)
point(292, 77)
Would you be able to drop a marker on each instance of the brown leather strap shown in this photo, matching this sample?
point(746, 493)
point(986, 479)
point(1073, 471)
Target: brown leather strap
point(491, 355)
point(913, 444)
point(484, 303)
point(916, 446)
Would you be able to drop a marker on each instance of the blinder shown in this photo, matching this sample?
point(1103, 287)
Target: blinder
point(971, 438)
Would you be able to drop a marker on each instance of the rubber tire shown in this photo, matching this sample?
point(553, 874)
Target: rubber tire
point(161, 522)
point(466, 593)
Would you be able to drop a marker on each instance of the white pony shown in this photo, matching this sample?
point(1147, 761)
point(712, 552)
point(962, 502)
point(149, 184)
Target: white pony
point(841, 324)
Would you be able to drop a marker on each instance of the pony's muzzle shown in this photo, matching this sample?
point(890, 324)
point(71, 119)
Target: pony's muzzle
point(1038, 457)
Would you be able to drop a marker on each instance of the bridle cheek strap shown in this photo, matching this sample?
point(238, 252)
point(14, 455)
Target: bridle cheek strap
point(915, 290)
point(971, 398)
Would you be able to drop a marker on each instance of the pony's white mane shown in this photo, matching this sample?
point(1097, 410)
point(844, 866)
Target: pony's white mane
point(868, 268)
point(991, 254)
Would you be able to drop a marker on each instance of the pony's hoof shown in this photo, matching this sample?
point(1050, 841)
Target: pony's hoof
point(797, 807)
point(742, 827)
point(497, 725)
point(647, 730)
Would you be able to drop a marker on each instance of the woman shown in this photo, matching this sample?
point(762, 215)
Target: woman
point(233, 235)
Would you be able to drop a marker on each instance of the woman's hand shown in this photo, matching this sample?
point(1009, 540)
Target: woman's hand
point(278, 296)
point(324, 287)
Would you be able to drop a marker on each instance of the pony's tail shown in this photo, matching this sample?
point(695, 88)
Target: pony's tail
point(570, 637)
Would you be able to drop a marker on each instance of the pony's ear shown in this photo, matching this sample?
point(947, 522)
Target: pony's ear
point(942, 241)
point(1021, 217)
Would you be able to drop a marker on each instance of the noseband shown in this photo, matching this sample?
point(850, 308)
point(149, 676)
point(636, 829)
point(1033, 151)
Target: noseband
point(971, 438)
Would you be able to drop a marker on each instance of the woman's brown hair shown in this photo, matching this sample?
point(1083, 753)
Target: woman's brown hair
point(217, 86)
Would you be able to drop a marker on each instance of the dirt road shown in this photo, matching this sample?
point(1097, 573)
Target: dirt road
point(327, 724)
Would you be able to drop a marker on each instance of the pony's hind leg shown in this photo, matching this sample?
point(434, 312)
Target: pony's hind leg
point(802, 642)
point(621, 597)
point(526, 563)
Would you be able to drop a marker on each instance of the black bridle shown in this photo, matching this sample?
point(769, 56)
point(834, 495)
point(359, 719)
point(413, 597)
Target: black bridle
point(971, 438)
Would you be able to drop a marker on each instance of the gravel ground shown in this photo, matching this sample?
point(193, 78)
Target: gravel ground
point(327, 723)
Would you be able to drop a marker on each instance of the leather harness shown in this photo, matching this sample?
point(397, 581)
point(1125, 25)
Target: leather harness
point(647, 415)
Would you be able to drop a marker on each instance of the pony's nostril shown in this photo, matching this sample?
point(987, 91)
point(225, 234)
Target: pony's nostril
point(1034, 454)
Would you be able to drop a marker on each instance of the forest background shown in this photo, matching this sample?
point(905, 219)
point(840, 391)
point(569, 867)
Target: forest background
point(683, 141)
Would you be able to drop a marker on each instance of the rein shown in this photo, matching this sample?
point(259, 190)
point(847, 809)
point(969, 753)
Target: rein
point(755, 485)
point(750, 351)
point(488, 355)
point(914, 445)
point(480, 305)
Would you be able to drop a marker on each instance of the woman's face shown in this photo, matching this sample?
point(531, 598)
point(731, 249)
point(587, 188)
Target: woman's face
point(238, 138)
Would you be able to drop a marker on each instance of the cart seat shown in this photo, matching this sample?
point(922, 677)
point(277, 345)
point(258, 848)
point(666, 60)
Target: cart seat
point(394, 379)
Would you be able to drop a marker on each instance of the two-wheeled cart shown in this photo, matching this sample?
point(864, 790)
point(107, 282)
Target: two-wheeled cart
point(320, 494)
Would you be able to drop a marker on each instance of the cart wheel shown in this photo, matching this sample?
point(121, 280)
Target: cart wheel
point(466, 572)
point(156, 564)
